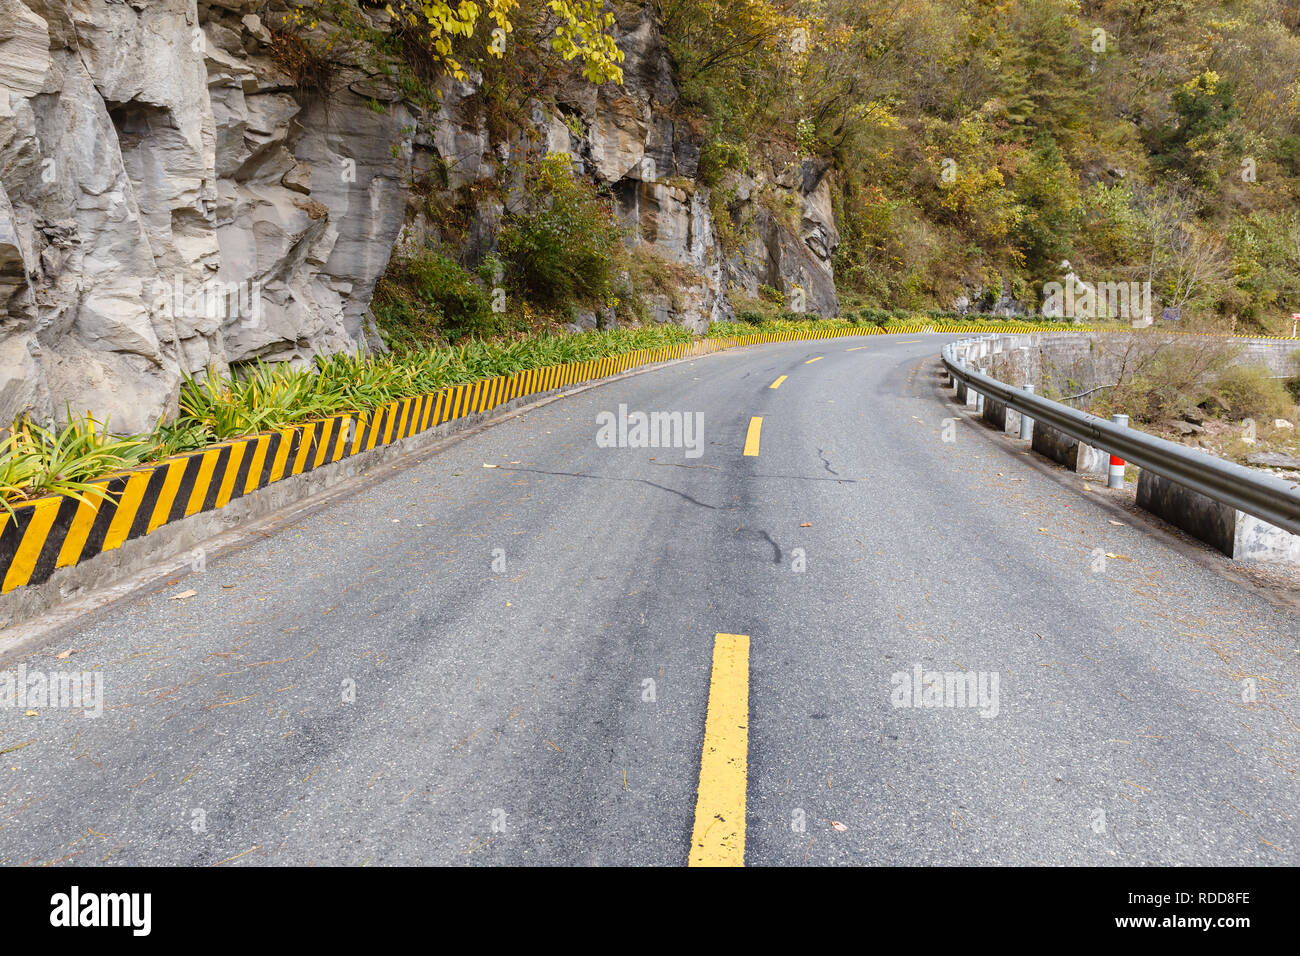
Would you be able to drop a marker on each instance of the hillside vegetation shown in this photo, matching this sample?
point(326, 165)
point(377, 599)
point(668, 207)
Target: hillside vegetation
point(977, 145)
point(980, 144)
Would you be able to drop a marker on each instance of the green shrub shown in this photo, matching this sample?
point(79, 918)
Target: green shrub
point(1161, 380)
point(264, 396)
point(566, 243)
point(176, 437)
point(424, 295)
point(801, 324)
point(718, 156)
point(1250, 391)
point(37, 461)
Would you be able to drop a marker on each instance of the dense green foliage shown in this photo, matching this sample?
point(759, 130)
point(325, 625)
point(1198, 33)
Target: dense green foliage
point(424, 295)
point(978, 143)
point(565, 243)
point(272, 396)
point(560, 249)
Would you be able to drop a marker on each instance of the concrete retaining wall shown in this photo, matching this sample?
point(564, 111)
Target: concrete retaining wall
point(1072, 362)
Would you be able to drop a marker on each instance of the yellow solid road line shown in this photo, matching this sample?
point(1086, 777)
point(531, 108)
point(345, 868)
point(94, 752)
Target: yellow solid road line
point(777, 383)
point(817, 359)
point(719, 835)
point(751, 437)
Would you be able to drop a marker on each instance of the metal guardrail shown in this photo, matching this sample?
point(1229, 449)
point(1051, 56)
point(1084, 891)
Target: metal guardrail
point(1265, 496)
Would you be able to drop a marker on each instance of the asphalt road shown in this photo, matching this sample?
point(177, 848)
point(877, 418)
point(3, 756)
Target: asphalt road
point(453, 666)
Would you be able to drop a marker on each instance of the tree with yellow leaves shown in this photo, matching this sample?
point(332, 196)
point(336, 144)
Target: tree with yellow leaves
point(582, 31)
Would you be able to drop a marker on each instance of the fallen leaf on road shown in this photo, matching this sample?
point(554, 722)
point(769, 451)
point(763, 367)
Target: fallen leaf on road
point(839, 826)
point(1120, 523)
point(485, 465)
point(32, 713)
point(806, 524)
point(64, 655)
point(1118, 557)
point(182, 595)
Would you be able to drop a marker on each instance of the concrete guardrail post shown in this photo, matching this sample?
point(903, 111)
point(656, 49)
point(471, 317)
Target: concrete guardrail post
point(1027, 423)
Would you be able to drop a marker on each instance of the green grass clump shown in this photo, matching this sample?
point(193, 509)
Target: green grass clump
point(37, 461)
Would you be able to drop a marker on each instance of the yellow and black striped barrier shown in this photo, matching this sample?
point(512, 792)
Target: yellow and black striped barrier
point(59, 531)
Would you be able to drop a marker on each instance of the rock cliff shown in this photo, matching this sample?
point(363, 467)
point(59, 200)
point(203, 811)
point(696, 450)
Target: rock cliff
point(172, 200)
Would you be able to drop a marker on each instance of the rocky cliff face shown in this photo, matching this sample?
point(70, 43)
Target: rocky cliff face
point(171, 201)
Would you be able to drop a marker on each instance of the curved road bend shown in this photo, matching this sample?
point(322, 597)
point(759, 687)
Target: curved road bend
point(503, 713)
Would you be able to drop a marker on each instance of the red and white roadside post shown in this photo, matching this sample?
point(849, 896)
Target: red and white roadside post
point(1295, 320)
point(1115, 474)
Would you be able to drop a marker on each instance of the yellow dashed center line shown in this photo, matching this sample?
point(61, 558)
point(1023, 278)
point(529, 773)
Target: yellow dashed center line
point(751, 437)
point(777, 383)
point(817, 359)
point(858, 348)
point(719, 835)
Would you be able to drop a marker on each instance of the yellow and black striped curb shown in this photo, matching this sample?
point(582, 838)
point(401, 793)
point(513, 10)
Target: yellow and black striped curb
point(61, 531)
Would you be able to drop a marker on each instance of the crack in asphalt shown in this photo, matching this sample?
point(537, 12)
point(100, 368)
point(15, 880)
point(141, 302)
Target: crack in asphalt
point(821, 453)
point(743, 531)
point(645, 481)
point(776, 548)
